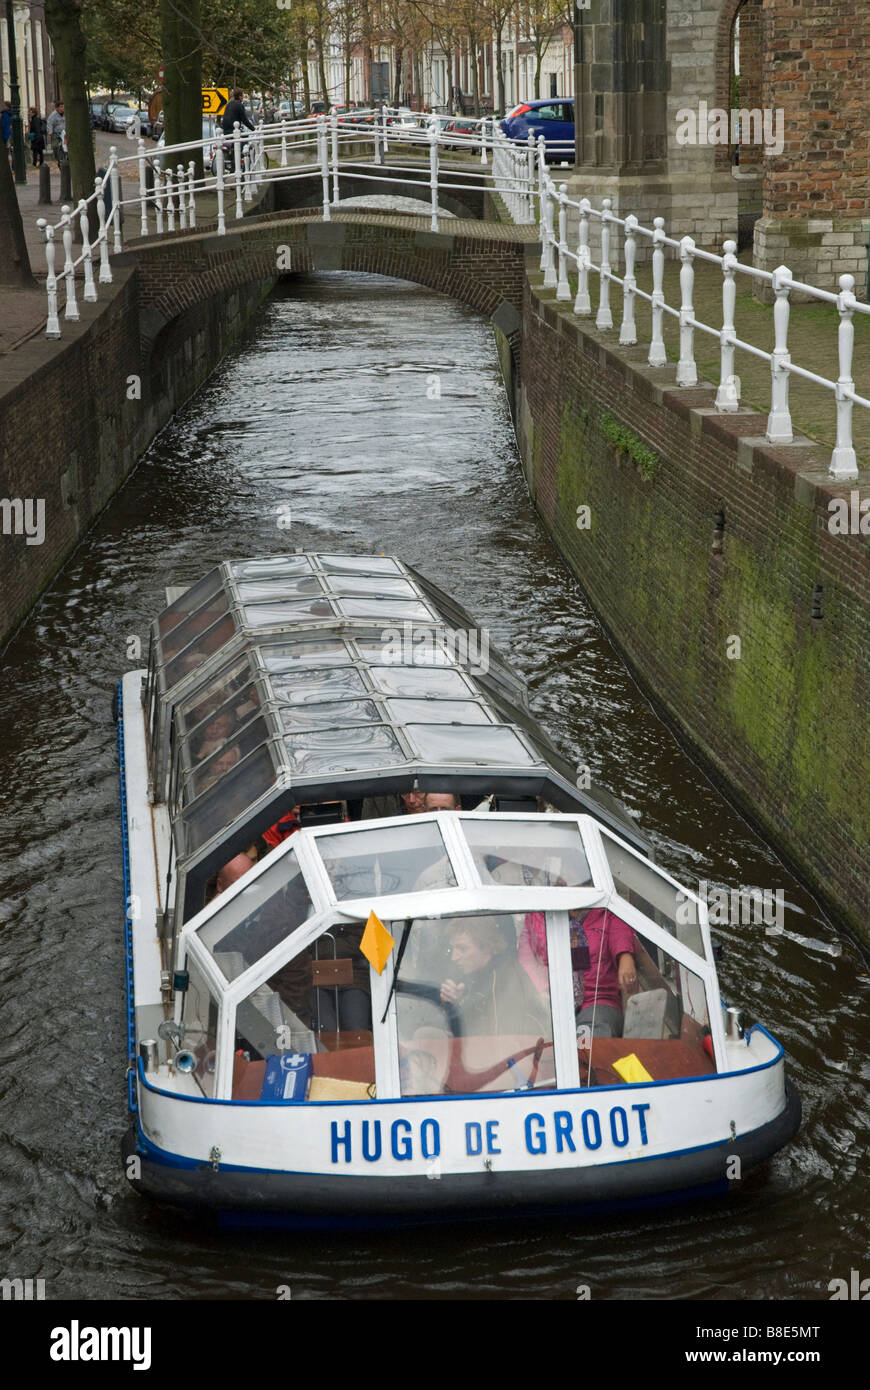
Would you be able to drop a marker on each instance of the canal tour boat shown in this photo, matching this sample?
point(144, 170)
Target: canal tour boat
point(387, 961)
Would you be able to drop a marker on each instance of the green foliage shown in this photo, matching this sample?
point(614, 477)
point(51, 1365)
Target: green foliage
point(622, 439)
point(250, 43)
point(123, 45)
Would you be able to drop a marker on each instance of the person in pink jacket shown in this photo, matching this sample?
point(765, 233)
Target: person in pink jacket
point(603, 950)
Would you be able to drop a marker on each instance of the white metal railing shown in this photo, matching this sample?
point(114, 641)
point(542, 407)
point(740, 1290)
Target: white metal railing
point(236, 165)
point(556, 254)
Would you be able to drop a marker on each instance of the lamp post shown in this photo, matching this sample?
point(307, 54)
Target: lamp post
point(15, 99)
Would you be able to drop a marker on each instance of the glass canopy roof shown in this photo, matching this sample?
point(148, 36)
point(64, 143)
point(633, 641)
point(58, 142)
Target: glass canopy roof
point(316, 677)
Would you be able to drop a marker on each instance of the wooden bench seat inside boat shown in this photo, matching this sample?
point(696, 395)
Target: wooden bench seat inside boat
point(666, 1059)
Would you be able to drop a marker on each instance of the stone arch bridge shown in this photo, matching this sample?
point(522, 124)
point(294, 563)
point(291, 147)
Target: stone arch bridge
point(480, 263)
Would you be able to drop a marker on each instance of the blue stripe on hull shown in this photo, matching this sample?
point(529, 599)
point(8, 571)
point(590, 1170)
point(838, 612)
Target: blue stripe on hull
point(246, 1196)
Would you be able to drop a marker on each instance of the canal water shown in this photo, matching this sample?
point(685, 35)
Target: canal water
point(372, 412)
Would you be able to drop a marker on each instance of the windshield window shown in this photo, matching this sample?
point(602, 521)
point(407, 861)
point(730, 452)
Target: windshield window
point(653, 895)
point(528, 852)
point(399, 859)
point(258, 918)
point(471, 1015)
point(306, 1033)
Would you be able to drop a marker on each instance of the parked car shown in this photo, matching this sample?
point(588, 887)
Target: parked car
point(554, 119)
point(97, 107)
point(465, 128)
point(405, 119)
point(144, 121)
point(119, 114)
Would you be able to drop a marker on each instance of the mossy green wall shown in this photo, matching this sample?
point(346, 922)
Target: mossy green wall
point(692, 542)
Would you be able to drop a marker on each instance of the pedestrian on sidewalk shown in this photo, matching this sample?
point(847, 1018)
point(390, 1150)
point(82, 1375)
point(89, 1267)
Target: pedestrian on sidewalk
point(6, 128)
point(36, 136)
point(56, 127)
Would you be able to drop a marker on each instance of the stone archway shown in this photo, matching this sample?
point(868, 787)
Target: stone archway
point(739, 43)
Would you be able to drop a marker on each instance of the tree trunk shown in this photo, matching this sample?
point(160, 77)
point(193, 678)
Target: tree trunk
point(14, 260)
point(397, 84)
point(63, 21)
point(475, 77)
point(321, 67)
point(182, 82)
point(306, 83)
point(539, 59)
point(499, 72)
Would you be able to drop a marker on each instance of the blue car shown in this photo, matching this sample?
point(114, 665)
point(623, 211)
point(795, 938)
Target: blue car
point(554, 119)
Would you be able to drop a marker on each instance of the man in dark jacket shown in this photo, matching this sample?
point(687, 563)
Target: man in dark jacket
point(235, 111)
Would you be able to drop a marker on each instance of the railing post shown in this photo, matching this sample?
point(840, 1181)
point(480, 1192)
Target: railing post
point(170, 205)
point(550, 279)
point(105, 273)
point(728, 394)
point(530, 180)
point(483, 154)
point(687, 372)
point(247, 174)
point(255, 141)
point(542, 210)
point(159, 181)
point(191, 193)
point(779, 430)
point(182, 204)
point(71, 308)
point(583, 304)
point(604, 318)
point(323, 155)
point(334, 122)
point(628, 331)
point(563, 289)
point(844, 463)
point(237, 163)
point(143, 191)
point(52, 323)
point(89, 292)
point(283, 144)
point(219, 182)
point(115, 180)
point(377, 134)
point(433, 172)
point(657, 355)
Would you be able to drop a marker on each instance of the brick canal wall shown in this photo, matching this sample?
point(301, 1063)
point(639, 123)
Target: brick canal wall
point(76, 414)
point(708, 556)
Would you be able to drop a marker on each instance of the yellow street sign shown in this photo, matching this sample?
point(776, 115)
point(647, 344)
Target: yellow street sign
point(214, 99)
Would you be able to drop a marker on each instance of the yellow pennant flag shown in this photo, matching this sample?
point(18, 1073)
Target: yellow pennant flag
point(376, 943)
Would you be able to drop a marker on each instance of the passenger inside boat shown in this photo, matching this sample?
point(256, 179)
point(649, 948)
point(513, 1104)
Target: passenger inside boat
point(487, 983)
point(469, 1016)
point(603, 960)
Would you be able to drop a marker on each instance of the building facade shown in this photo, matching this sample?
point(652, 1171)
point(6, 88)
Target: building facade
point(36, 73)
